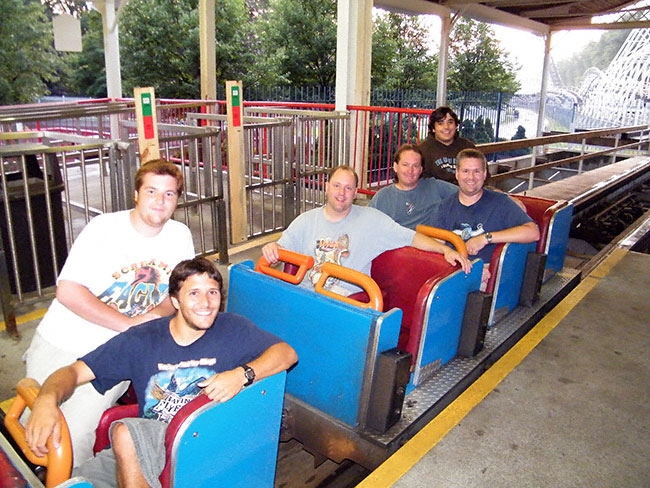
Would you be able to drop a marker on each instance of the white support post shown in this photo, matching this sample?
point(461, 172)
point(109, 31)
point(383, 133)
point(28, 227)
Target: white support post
point(353, 58)
point(544, 87)
point(111, 58)
point(443, 58)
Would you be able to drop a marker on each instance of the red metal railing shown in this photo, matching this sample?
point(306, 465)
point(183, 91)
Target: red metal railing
point(376, 132)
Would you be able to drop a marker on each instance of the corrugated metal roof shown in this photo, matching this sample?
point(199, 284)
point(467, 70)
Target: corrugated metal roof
point(558, 14)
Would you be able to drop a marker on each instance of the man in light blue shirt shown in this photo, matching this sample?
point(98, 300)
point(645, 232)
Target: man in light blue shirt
point(349, 235)
point(411, 200)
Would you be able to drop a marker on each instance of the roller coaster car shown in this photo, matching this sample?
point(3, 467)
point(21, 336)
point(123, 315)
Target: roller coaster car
point(199, 442)
point(351, 378)
point(519, 270)
point(341, 376)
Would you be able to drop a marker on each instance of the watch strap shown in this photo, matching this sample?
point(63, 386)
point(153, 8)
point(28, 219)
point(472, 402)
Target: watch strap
point(249, 373)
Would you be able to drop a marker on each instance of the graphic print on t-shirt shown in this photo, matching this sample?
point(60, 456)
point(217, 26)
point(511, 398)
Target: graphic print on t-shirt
point(137, 287)
point(329, 250)
point(446, 163)
point(466, 232)
point(168, 391)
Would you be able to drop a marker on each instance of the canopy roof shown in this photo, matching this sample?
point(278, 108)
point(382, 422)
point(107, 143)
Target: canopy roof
point(539, 16)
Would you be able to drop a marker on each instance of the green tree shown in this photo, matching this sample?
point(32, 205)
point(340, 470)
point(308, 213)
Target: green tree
point(400, 53)
point(28, 60)
point(477, 62)
point(596, 54)
point(301, 37)
point(159, 45)
point(72, 7)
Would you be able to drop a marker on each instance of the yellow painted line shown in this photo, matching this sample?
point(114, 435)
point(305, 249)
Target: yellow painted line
point(408, 455)
point(606, 266)
point(28, 317)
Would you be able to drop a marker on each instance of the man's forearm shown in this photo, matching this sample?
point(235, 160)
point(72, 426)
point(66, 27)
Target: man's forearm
point(426, 243)
point(59, 386)
point(521, 233)
point(222, 387)
point(276, 358)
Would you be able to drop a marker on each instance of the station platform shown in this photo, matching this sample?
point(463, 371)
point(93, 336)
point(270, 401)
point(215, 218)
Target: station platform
point(585, 187)
point(568, 406)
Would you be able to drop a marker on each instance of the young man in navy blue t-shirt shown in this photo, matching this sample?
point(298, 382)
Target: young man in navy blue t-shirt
point(482, 217)
point(169, 361)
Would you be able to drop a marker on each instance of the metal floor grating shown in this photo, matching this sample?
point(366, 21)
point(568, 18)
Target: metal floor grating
point(427, 400)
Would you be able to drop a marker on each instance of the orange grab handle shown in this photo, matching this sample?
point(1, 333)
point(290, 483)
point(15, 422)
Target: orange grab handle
point(445, 235)
point(302, 261)
point(355, 277)
point(58, 461)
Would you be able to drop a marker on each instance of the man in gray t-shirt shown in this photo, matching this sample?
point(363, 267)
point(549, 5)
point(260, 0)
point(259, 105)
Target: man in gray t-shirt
point(411, 200)
point(349, 235)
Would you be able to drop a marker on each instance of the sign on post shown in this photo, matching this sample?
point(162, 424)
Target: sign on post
point(236, 163)
point(145, 112)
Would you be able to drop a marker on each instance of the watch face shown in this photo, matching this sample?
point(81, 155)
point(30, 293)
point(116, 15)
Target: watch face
point(249, 374)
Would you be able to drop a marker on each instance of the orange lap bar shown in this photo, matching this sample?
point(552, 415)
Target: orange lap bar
point(302, 261)
point(444, 235)
point(57, 461)
point(355, 277)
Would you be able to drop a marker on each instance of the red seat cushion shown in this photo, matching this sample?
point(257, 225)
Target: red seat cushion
point(541, 211)
point(401, 274)
point(102, 439)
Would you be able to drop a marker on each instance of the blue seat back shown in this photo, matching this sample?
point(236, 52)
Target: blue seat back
point(232, 444)
point(337, 344)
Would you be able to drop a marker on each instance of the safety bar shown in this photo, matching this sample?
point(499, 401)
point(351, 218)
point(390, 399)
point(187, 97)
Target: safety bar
point(445, 235)
point(369, 285)
point(301, 260)
point(58, 461)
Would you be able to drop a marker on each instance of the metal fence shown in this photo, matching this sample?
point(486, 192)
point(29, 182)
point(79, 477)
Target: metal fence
point(53, 183)
point(287, 155)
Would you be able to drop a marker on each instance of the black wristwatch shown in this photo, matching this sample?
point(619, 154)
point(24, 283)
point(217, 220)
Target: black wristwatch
point(249, 373)
point(488, 237)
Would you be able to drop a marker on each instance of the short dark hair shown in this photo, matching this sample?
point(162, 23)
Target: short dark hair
point(471, 153)
point(160, 167)
point(190, 267)
point(439, 114)
point(343, 167)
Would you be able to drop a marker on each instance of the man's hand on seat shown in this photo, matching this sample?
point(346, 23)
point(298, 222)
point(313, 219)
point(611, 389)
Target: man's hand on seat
point(223, 386)
point(45, 420)
point(454, 257)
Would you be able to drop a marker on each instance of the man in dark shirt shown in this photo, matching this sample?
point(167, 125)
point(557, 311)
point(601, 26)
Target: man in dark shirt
point(169, 360)
point(482, 217)
point(441, 146)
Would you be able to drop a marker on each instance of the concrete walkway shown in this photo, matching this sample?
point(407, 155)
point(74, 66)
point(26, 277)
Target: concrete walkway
point(574, 413)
